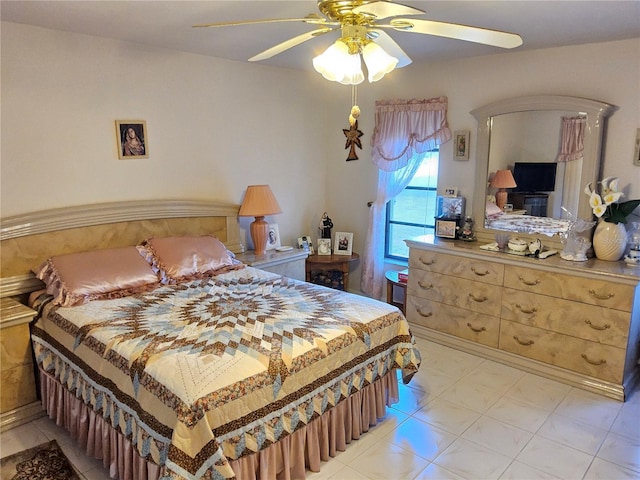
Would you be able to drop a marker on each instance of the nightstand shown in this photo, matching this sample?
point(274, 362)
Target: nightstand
point(289, 264)
point(328, 264)
point(18, 398)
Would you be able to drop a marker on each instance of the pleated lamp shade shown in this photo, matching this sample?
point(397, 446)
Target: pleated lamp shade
point(258, 202)
point(501, 180)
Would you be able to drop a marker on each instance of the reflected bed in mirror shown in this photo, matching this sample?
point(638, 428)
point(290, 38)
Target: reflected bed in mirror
point(529, 130)
point(528, 224)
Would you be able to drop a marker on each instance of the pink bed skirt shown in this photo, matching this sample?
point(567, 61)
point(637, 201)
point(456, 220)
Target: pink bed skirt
point(288, 459)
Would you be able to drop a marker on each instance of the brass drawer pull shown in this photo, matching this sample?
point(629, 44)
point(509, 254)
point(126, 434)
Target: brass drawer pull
point(527, 311)
point(477, 330)
point(597, 327)
point(427, 262)
point(425, 286)
point(528, 283)
point(425, 315)
point(595, 294)
point(599, 362)
point(478, 299)
point(480, 274)
point(526, 344)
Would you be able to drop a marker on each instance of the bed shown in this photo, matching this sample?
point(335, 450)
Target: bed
point(498, 220)
point(235, 372)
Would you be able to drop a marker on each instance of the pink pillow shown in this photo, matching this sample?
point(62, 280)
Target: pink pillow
point(184, 258)
point(76, 278)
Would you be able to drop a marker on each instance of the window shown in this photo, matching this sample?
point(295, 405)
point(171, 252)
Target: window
point(413, 211)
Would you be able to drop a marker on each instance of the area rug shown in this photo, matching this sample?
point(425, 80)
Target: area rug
point(44, 462)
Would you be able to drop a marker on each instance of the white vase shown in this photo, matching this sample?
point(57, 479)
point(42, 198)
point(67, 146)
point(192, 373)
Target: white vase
point(609, 241)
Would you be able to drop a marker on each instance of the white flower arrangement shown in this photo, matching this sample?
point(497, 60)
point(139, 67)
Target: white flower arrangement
point(606, 204)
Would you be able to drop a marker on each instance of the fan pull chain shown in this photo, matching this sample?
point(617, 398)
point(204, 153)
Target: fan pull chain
point(355, 109)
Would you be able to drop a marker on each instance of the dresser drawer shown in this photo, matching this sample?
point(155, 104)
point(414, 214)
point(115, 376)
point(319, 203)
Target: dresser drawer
point(594, 292)
point(477, 270)
point(462, 323)
point(459, 292)
point(590, 322)
point(590, 358)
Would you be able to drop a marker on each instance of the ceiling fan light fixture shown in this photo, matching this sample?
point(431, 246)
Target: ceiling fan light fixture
point(378, 62)
point(336, 64)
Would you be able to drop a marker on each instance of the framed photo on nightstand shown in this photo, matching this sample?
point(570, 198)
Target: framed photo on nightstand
point(273, 239)
point(343, 244)
point(324, 246)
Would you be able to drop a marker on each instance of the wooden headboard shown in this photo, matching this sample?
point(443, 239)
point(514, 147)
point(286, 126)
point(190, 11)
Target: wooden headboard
point(28, 240)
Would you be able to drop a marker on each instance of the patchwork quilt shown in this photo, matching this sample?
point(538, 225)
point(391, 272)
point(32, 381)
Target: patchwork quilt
point(207, 371)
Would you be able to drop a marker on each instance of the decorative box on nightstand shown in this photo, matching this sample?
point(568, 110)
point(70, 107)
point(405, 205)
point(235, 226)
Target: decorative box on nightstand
point(289, 264)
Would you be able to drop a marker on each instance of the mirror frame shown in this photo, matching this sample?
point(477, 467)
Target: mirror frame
point(597, 112)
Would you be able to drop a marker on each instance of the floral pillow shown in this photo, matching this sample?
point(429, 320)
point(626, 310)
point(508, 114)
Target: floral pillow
point(76, 278)
point(176, 259)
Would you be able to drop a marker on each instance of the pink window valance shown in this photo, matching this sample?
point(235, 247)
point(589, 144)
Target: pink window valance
point(406, 127)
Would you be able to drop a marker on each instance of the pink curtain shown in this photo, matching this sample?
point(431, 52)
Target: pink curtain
point(404, 129)
point(572, 146)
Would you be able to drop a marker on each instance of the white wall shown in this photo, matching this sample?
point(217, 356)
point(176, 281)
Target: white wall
point(214, 126)
point(609, 72)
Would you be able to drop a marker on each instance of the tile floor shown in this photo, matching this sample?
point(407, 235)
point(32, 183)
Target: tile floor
point(461, 417)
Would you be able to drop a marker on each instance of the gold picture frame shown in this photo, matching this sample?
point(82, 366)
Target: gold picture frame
point(131, 139)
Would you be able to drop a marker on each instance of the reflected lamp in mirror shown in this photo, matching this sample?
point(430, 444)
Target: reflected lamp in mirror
point(502, 180)
point(258, 202)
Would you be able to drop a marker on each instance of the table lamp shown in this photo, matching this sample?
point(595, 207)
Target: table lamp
point(258, 202)
point(502, 180)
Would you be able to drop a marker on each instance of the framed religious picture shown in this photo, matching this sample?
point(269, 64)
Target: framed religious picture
point(324, 246)
point(273, 237)
point(306, 243)
point(131, 138)
point(343, 243)
point(461, 145)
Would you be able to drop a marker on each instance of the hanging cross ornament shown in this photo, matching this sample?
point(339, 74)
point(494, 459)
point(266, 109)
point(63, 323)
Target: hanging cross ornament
point(353, 134)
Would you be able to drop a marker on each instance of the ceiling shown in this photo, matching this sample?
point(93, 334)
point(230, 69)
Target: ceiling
point(168, 24)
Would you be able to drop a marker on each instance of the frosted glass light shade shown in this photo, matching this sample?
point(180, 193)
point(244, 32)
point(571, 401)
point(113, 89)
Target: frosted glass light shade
point(337, 65)
point(378, 62)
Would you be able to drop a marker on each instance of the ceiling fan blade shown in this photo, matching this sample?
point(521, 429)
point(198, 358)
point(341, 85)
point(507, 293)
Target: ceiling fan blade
point(486, 36)
point(312, 18)
point(287, 44)
point(391, 47)
point(384, 9)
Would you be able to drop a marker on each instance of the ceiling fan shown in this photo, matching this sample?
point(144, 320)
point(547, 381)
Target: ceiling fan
point(363, 24)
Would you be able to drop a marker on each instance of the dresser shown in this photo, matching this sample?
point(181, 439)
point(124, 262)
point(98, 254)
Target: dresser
point(289, 264)
point(575, 322)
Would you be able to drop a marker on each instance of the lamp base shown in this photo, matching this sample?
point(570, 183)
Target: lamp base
point(501, 198)
point(259, 230)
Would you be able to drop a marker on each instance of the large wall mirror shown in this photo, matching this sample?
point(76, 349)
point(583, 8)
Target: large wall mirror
point(524, 135)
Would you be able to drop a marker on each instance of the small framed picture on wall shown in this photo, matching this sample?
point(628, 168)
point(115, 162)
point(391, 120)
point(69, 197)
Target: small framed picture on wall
point(461, 145)
point(343, 243)
point(131, 138)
